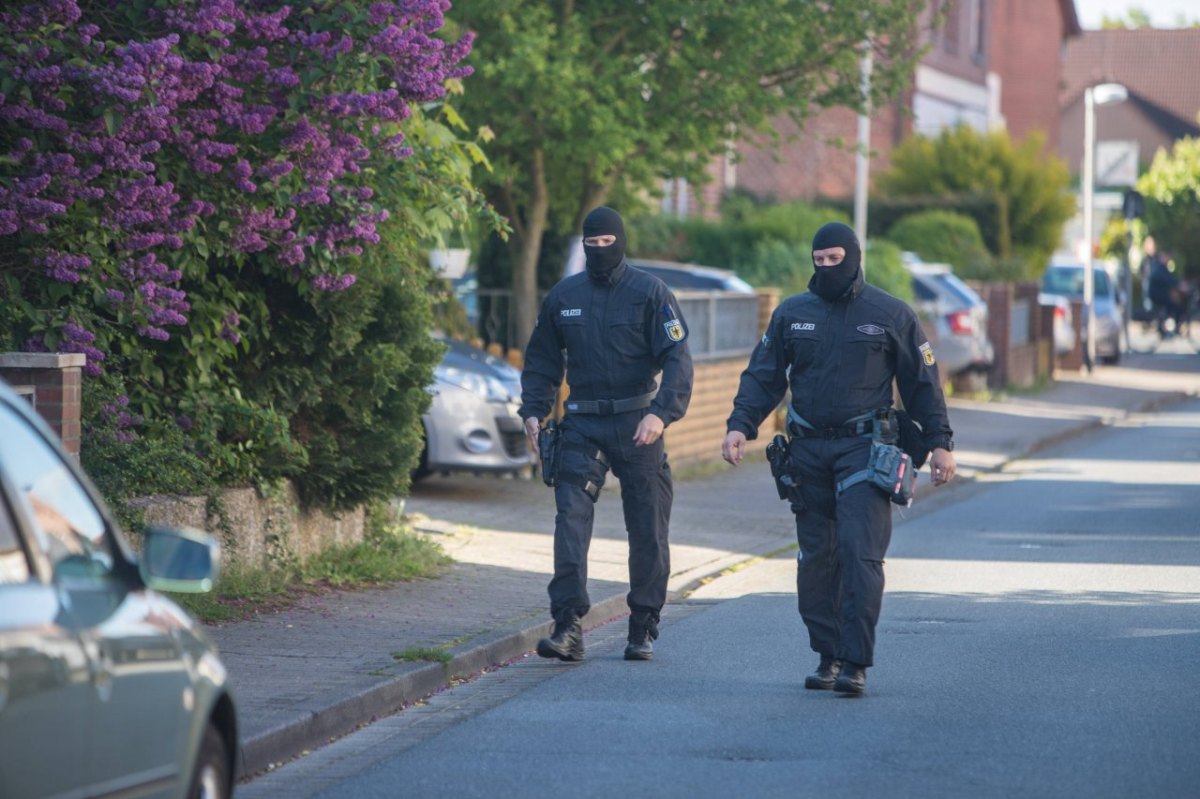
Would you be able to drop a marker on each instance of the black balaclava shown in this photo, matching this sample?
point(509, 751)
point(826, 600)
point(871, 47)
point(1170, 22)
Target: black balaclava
point(831, 282)
point(602, 262)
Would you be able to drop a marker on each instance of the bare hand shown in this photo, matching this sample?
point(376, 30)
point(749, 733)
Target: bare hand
point(531, 431)
point(733, 449)
point(649, 430)
point(942, 466)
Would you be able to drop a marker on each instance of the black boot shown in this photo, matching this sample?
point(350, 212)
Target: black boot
point(852, 680)
point(566, 642)
point(825, 675)
point(643, 631)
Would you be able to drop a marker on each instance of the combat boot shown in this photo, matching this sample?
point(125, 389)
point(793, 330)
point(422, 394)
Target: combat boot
point(566, 642)
point(852, 680)
point(825, 675)
point(643, 631)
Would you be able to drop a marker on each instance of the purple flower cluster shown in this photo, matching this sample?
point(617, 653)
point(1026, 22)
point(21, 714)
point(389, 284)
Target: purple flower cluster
point(117, 415)
point(234, 112)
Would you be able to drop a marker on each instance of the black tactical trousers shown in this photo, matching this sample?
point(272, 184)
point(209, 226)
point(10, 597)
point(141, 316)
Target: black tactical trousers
point(839, 575)
point(646, 494)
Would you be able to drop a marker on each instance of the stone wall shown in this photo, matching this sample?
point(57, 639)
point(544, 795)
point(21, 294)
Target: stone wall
point(254, 529)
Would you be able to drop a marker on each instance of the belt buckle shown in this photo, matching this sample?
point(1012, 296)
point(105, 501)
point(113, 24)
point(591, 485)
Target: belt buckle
point(604, 407)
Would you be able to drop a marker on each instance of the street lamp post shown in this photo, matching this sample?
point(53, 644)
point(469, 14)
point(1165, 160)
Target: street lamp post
point(1101, 94)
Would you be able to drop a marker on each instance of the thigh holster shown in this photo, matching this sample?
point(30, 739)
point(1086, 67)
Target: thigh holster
point(583, 465)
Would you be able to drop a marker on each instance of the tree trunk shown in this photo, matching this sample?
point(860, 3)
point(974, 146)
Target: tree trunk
point(526, 249)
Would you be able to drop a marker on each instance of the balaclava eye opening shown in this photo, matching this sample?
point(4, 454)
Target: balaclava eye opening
point(832, 282)
point(601, 262)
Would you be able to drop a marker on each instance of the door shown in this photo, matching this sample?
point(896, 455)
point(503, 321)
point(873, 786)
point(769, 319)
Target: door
point(137, 683)
point(45, 686)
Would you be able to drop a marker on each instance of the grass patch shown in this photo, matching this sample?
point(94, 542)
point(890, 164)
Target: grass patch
point(389, 552)
point(423, 654)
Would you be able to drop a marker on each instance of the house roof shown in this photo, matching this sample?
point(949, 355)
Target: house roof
point(1158, 67)
point(1070, 19)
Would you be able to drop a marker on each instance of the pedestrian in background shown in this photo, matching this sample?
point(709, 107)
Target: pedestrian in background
point(838, 347)
point(613, 329)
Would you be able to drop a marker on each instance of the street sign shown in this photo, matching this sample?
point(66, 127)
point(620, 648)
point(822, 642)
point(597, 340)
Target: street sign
point(1116, 163)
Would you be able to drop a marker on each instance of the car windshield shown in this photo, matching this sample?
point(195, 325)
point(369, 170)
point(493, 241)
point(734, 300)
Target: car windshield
point(1068, 281)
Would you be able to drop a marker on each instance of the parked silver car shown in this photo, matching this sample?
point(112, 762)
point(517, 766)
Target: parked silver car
point(1066, 280)
point(107, 687)
point(472, 424)
point(955, 318)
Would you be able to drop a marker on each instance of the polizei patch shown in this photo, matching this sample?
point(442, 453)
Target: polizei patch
point(871, 330)
point(803, 326)
point(571, 312)
point(674, 329)
point(927, 353)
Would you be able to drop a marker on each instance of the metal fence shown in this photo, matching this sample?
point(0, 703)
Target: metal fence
point(720, 323)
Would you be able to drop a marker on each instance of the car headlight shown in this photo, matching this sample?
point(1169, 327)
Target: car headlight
point(485, 386)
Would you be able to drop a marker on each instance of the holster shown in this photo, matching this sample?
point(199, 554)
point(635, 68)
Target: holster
point(787, 484)
point(549, 444)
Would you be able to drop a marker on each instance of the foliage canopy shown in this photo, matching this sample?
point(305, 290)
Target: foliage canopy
point(590, 100)
point(1172, 190)
point(1028, 189)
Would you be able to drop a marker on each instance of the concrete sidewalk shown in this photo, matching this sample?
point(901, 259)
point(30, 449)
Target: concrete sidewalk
point(329, 664)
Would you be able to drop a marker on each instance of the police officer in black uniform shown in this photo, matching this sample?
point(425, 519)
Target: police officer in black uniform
point(613, 328)
point(838, 348)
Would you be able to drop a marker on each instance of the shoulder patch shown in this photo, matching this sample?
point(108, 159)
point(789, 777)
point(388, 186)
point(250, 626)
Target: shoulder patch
point(927, 353)
point(871, 330)
point(674, 329)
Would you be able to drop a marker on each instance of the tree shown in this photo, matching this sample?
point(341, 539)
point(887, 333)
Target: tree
point(190, 193)
point(1134, 17)
point(588, 99)
point(1027, 191)
point(1172, 190)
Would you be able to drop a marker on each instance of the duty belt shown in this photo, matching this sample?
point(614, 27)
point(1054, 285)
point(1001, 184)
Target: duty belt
point(799, 427)
point(607, 407)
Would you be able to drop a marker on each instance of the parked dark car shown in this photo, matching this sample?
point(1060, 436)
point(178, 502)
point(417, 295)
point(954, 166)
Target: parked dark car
point(472, 423)
point(107, 687)
point(955, 318)
point(693, 277)
point(1066, 280)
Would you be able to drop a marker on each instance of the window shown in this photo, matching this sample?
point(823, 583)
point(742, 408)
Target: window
point(65, 520)
point(14, 568)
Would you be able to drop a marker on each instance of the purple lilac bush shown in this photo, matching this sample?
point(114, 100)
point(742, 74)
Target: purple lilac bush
point(141, 142)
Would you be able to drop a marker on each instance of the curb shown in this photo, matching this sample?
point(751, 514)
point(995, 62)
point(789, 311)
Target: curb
point(315, 726)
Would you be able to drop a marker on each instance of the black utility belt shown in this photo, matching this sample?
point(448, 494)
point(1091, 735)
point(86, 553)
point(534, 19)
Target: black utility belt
point(863, 425)
point(608, 407)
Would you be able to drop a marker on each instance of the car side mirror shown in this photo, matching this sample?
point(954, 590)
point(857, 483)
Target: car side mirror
point(179, 559)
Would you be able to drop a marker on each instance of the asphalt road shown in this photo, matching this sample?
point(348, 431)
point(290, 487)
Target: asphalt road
point(1040, 637)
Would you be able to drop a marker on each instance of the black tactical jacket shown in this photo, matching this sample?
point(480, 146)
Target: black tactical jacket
point(839, 359)
point(613, 340)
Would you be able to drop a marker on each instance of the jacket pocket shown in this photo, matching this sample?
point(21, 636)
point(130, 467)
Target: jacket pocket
point(627, 332)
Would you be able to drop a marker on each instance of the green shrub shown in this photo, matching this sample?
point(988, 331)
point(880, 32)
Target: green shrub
point(885, 269)
point(1027, 192)
point(127, 456)
point(944, 237)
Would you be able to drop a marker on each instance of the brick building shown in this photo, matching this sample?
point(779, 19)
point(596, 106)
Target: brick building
point(1159, 68)
point(991, 64)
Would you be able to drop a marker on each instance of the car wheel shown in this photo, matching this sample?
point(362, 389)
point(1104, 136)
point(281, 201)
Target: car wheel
point(211, 778)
